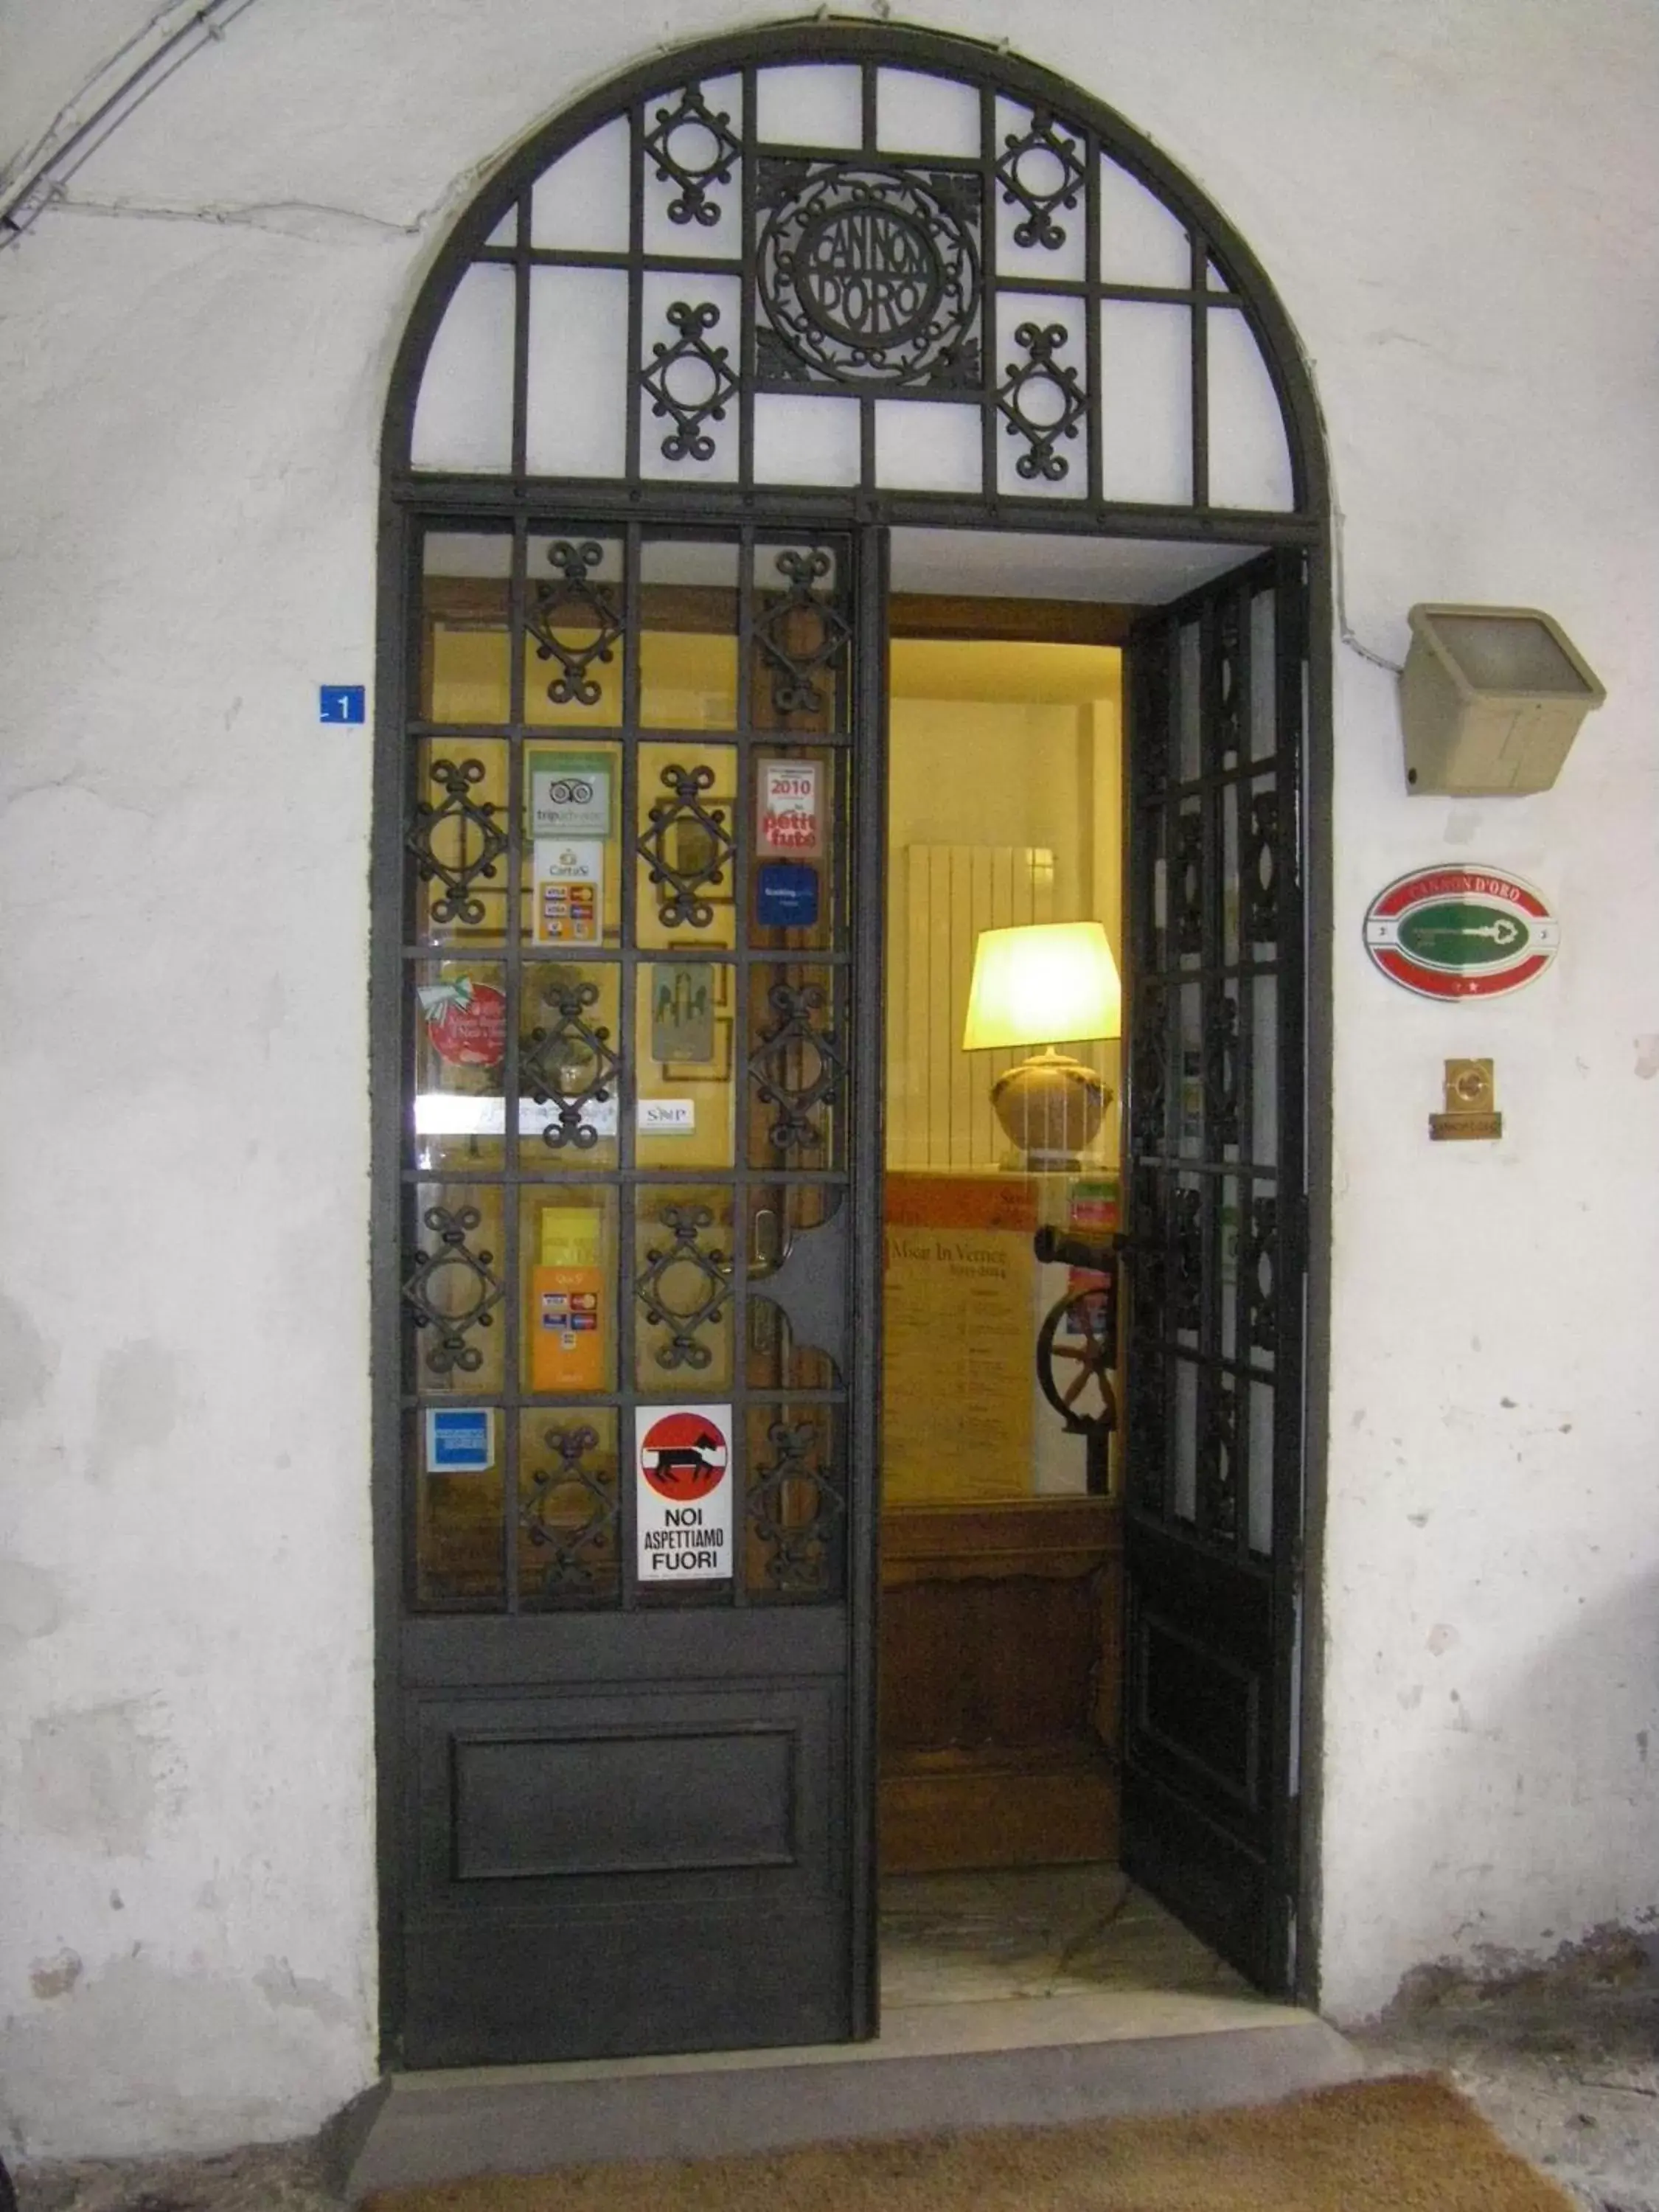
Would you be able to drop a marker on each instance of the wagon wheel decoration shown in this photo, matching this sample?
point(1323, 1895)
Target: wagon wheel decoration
point(1076, 1378)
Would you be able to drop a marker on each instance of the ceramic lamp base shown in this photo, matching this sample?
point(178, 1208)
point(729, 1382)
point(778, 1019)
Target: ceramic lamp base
point(1050, 1108)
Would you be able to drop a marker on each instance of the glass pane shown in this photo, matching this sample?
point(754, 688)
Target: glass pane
point(689, 635)
point(459, 1035)
point(1249, 456)
point(459, 1555)
point(1264, 675)
point(582, 201)
point(574, 647)
point(685, 1090)
point(928, 445)
point(687, 848)
point(454, 1289)
point(1141, 241)
point(1260, 1515)
point(1231, 1347)
point(810, 105)
point(570, 1547)
point(681, 1289)
point(1189, 707)
point(576, 388)
point(571, 1073)
point(798, 805)
point(464, 415)
point(1146, 402)
point(809, 440)
point(801, 676)
point(916, 114)
point(463, 603)
point(573, 818)
point(1185, 1502)
point(1264, 1072)
point(567, 1262)
point(796, 1066)
point(457, 839)
point(794, 1503)
point(1190, 1122)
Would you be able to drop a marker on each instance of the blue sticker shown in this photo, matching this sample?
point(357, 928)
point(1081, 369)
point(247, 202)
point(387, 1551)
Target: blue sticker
point(785, 894)
point(460, 1440)
point(340, 702)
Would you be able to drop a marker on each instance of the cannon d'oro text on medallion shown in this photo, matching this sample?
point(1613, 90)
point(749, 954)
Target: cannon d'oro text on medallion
point(867, 276)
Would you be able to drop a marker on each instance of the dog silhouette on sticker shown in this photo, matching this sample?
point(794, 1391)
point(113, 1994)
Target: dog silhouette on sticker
point(682, 1456)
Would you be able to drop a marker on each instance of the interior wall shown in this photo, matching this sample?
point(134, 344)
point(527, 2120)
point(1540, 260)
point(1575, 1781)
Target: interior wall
point(1453, 199)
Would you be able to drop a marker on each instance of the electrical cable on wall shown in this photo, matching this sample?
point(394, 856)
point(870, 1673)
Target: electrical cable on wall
point(70, 139)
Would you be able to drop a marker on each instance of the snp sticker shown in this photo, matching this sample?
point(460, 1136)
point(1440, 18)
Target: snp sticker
point(684, 1494)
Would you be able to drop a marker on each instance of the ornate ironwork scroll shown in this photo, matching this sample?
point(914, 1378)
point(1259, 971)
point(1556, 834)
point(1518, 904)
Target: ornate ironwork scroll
point(688, 848)
point(1189, 882)
point(479, 842)
point(1260, 870)
point(454, 1265)
point(867, 275)
point(796, 1066)
point(685, 1286)
point(1042, 400)
point(795, 1511)
point(802, 634)
point(1187, 1276)
point(691, 145)
point(580, 1546)
point(575, 622)
point(571, 1064)
point(1040, 170)
point(1260, 1250)
point(1221, 1076)
point(690, 380)
point(1218, 1463)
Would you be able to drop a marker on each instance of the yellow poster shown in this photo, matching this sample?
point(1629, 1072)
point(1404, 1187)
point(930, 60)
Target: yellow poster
point(959, 1339)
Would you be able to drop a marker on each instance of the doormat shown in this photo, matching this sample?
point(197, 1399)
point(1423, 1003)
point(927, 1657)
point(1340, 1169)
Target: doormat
point(1410, 2144)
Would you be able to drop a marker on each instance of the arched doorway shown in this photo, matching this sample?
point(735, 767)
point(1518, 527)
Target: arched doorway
point(692, 358)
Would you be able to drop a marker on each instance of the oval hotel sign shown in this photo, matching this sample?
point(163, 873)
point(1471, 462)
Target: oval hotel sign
point(1457, 932)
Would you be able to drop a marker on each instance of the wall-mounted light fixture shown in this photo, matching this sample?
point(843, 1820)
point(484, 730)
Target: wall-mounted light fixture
point(1037, 984)
point(1491, 698)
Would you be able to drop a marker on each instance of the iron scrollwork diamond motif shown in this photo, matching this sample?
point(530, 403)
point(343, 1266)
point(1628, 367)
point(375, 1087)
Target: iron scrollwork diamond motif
point(1187, 1283)
point(1221, 1076)
point(580, 1544)
point(867, 275)
point(453, 1268)
point(690, 381)
point(1189, 883)
point(688, 848)
point(569, 1063)
point(803, 634)
point(1218, 1463)
point(684, 1286)
point(575, 622)
point(1261, 871)
point(479, 842)
point(1040, 170)
point(1042, 400)
point(1259, 1255)
point(691, 146)
point(794, 1511)
point(778, 1064)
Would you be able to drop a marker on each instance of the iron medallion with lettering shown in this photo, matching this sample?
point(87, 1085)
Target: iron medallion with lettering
point(867, 276)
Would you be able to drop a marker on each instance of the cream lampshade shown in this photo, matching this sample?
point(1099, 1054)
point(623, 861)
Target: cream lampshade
point(1034, 985)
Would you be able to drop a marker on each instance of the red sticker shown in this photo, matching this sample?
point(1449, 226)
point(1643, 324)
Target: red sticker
point(466, 1023)
point(682, 1456)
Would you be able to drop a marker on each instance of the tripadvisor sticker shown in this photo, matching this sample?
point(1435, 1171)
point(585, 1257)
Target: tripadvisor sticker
point(684, 1494)
point(1457, 931)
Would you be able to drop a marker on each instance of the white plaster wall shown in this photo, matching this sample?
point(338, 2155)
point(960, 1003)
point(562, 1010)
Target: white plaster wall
point(1454, 198)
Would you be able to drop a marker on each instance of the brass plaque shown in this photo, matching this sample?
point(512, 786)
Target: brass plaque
point(1469, 1108)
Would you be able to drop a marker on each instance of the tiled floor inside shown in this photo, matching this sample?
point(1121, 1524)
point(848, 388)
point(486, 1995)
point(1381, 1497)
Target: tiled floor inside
point(1034, 1932)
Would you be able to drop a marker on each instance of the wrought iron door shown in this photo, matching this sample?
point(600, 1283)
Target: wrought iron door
point(1216, 1242)
point(641, 783)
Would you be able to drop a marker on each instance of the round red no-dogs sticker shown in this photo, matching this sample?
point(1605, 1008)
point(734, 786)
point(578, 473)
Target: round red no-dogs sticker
point(1460, 932)
point(683, 1455)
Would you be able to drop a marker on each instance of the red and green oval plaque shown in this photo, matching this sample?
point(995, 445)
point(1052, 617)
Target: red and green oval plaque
point(1460, 932)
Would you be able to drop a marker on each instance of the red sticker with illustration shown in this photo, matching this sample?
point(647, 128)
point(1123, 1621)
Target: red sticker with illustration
point(465, 1021)
point(682, 1508)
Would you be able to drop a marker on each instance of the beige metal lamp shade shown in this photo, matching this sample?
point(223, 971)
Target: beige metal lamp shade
point(1034, 985)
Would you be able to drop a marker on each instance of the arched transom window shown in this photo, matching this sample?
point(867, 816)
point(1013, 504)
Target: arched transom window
point(849, 275)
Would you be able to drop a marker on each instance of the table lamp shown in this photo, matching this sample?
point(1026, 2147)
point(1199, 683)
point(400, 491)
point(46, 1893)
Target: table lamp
point(1032, 986)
